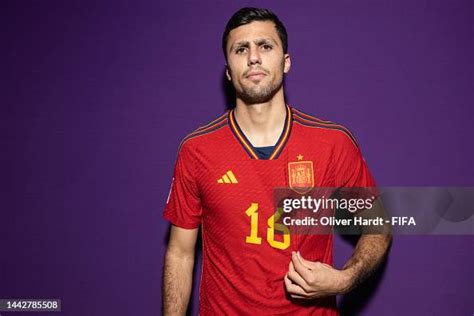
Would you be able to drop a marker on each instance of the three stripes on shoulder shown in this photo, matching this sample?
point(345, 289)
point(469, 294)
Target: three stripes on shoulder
point(228, 177)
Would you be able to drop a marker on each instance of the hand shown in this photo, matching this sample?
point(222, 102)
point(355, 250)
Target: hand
point(308, 280)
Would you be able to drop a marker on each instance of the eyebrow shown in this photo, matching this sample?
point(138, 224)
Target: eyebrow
point(258, 41)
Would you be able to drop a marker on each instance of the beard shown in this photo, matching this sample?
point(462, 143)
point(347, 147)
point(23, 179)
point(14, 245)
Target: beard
point(260, 93)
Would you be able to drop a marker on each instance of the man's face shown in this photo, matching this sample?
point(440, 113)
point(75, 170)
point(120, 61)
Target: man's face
point(256, 62)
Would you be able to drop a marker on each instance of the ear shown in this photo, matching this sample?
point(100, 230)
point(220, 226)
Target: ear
point(287, 65)
point(227, 73)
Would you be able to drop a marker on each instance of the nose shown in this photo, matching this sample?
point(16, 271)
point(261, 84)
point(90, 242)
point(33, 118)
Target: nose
point(254, 56)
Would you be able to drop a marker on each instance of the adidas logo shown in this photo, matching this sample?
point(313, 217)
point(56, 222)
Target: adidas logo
point(228, 178)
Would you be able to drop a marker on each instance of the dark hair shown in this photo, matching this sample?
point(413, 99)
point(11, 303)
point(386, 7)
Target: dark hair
point(248, 15)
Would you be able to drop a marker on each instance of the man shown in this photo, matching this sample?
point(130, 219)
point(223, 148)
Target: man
point(223, 182)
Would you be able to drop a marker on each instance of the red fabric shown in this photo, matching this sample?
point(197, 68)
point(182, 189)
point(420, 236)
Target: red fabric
point(240, 278)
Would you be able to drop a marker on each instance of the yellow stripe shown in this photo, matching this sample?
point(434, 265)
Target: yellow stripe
point(313, 117)
point(232, 177)
point(220, 181)
point(287, 129)
point(226, 179)
point(242, 140)
point(201, 132)
point(322, 127)
point(204, 128)
point(211, 123)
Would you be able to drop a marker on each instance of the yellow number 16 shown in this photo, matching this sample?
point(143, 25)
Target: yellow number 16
point(254, 239)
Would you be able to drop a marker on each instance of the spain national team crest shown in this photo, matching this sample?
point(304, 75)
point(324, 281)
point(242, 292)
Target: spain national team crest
point(301, 175)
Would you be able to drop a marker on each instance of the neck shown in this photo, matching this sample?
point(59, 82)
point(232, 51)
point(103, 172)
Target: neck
point(262, 123)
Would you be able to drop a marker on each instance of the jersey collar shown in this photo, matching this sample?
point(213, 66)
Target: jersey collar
point(280, 144)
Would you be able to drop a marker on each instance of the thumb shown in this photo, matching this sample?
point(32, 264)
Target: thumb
point(306, 263)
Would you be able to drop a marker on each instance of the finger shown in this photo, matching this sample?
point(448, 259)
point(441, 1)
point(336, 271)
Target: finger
point(299, 297)
point(308, 264)
point(293, 289)
point(304, 272)
point(296, 278)
point(313, 265)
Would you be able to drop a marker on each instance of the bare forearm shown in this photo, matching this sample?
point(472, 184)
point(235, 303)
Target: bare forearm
point(368, 254)
point(177, 282)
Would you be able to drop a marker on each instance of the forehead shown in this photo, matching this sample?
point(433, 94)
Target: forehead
point(252, 31)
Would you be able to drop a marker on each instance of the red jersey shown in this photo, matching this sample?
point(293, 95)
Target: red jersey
point(221, 185)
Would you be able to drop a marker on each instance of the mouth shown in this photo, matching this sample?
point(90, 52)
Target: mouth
point(255, 75)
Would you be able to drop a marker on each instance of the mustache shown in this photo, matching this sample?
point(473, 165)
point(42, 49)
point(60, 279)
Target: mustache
point(255, 69)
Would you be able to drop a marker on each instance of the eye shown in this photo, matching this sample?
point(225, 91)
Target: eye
point(267, 47)
point(240, 50)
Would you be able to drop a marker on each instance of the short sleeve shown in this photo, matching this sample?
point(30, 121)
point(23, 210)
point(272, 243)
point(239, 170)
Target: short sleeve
point(183, 207)
point(351, 168)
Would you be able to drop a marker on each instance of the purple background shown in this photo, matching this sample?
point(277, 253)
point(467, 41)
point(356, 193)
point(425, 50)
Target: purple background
point(96, 97)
